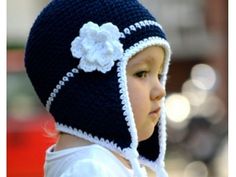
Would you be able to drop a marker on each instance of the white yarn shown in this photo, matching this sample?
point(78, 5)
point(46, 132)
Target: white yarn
point(157, 165)
point(138, 25)
point(58, 87)
point(132, 156)
point(97, 47)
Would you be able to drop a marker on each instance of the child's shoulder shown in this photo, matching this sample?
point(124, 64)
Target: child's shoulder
point(92, 152)
point(85, 168)
point(86, 161)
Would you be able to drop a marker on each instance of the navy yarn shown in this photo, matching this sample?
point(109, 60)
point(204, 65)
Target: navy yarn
point(100, 94)
point(150, 148)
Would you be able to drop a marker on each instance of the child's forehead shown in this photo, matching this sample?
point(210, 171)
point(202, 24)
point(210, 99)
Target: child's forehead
point(152, 54)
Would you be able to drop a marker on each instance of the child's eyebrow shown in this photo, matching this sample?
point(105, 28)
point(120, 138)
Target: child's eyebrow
point(141, 60)
point(144, 60)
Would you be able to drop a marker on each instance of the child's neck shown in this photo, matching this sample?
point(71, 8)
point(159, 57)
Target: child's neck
point(68, 141)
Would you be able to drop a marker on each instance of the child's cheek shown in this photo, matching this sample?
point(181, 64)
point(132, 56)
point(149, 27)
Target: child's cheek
point(138, 98)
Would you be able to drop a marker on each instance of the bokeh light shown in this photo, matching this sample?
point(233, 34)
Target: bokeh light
point(203, 76)
point(195, 95)
point(177, 107)
point(213, 108)
point(196, 169)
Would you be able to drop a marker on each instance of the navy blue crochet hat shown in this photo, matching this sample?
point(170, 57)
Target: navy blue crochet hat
point(76, 58)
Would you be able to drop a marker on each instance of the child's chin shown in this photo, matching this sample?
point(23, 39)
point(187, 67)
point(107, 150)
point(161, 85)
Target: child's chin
point(146, 135)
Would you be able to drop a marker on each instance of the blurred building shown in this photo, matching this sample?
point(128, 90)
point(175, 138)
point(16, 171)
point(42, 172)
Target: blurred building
point(197, 85)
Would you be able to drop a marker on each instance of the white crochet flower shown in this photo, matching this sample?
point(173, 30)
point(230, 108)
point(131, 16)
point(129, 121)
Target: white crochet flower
point(97, 47)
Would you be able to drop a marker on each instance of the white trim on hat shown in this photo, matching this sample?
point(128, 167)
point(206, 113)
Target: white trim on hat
point(58, 87)
point(157, 165)
point(139, 25)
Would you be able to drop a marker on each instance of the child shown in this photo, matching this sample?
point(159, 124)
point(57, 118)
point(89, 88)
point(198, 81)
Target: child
point(99, 67)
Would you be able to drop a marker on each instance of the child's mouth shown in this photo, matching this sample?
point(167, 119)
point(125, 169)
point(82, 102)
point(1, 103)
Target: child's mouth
point(155, 112)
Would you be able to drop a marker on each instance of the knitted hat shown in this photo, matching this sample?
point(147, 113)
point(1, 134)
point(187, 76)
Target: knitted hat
point(76, 58)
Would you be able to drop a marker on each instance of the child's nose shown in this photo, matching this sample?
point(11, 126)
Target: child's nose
point(157, 91)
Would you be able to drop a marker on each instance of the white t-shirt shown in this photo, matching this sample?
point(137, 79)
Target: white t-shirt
point(87, 161)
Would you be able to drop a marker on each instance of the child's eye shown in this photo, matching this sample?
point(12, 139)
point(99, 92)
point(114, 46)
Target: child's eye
point(141, 74)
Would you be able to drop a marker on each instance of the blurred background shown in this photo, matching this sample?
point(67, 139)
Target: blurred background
point(197, 123)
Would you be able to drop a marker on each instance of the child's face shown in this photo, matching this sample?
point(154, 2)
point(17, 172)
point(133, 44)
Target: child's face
point(145, 90)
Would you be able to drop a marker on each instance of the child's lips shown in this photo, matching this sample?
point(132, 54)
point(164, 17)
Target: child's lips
point(155, 112)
